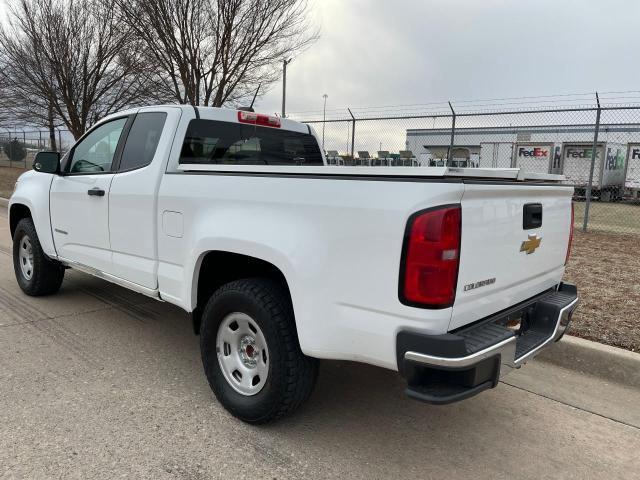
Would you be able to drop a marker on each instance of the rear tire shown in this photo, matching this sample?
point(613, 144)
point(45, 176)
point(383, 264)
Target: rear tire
point(36, 273)
point(249, 324)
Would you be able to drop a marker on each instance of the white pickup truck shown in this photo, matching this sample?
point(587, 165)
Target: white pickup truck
point(452, 277)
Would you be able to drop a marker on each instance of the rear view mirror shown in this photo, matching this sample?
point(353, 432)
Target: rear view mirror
point(47, 162)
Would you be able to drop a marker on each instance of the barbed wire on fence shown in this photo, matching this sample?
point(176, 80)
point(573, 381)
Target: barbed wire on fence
point(558, 101)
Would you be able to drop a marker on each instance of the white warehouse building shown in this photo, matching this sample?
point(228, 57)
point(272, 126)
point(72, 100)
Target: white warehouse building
point(544, 149)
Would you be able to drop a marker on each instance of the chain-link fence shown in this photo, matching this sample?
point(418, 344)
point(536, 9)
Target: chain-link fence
point(596, 149)
point(19, 147)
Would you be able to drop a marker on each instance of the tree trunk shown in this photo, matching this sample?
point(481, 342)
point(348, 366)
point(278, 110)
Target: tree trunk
point(52, 130)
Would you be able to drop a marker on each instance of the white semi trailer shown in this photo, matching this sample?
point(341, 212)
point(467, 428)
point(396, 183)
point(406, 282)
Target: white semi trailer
point(562, 149)
point(632, 175)
point(608, 173)
point(533, 157)
point(495, 155)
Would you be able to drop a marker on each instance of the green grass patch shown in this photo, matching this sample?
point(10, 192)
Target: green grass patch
point(610, 217)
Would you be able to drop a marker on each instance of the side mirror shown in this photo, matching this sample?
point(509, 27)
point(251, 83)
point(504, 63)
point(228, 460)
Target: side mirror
point(47, 162)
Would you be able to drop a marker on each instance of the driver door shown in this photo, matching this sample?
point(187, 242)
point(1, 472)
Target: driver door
point(80, 197)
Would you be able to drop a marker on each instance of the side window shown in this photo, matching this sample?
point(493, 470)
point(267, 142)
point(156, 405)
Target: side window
point(142, 140)
point(95, 152)
point(213, 142)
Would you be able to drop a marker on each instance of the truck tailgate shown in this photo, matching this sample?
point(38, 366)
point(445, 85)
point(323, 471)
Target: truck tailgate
point(505, 258)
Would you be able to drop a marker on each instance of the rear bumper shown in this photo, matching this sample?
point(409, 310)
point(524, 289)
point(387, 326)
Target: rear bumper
point(447, 368)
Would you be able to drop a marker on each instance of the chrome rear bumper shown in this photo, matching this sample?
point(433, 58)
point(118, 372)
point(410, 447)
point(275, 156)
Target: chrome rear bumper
point(469, 360)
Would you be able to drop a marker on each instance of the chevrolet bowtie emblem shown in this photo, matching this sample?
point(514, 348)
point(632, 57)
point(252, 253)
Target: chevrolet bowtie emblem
point(531, 245)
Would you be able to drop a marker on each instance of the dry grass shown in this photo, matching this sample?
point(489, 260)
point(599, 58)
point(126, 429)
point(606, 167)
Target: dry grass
point(8, 177)
point(610, 217)
point(606, 269)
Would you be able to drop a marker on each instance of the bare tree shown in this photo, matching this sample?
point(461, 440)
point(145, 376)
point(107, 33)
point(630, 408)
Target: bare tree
point(216, 52)
point(72, 62)
point(25, 92)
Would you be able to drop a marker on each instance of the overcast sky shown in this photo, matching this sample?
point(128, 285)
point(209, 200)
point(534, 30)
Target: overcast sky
point(392, 52)
point(395, 52)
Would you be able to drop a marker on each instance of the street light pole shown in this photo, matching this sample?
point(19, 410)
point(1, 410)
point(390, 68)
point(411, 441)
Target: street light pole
point(324, 117)
point(285, 62)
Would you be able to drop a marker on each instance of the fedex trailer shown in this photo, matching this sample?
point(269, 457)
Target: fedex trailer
point(533, 157)
point(632, 176)
point(495, 155)
point(608, 172)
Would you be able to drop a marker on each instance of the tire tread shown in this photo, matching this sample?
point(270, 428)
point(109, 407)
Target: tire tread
point(47, 275)
point(299, 370)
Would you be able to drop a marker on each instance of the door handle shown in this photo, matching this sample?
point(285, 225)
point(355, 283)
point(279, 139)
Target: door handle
point(96, 192)
point(532, 216)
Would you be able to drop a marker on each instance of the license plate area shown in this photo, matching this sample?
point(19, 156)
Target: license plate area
point(514, 325)
point(518, 321)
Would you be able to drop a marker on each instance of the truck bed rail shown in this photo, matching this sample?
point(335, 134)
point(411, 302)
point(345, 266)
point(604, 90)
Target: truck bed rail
point(515, 174)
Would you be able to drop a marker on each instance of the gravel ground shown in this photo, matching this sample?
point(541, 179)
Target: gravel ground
point(606, 268)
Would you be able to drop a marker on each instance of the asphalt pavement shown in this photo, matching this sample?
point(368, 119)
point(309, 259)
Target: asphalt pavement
point(97, 382)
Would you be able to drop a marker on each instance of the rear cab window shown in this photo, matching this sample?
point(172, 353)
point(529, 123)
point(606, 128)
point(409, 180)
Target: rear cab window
point(226, 143)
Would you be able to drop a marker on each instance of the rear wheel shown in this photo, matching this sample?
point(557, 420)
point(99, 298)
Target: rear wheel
point(250, 351)
point(36, 273)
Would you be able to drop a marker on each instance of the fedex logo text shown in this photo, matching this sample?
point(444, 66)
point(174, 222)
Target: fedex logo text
point(532, 152)
point(581, 153)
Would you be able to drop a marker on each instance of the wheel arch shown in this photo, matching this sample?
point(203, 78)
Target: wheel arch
point(17, 212)
point(218, 267)
point(30, 199)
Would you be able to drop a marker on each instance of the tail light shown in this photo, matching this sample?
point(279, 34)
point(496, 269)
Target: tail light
point(431, 256)
point(258, 119)
point(566, 260)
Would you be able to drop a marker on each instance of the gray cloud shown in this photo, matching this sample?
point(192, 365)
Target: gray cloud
point(381, 52)
point(394, 52)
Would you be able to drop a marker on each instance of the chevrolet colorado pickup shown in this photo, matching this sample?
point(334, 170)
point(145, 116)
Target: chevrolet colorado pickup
point(452, 277)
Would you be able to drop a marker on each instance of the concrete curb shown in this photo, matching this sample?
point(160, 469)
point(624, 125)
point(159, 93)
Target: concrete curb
point(4, 202)
point(609, 363)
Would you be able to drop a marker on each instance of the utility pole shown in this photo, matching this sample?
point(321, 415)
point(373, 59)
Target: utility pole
point(324, 117)
point(285, 62)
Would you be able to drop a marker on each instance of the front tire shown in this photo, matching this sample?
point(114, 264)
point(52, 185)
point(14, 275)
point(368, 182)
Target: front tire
point(250, 351)
point(36, 273)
